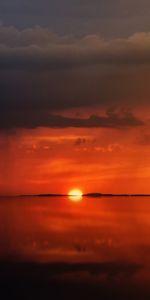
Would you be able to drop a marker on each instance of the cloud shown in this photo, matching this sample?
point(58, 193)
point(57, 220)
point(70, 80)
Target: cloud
point(38, 49)
point(40, 70)
point(32, 119)
point(144, 139)
point(80, 141)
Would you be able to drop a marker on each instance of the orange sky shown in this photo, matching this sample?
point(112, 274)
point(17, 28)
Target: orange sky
point(45, 160)
point(74, 108)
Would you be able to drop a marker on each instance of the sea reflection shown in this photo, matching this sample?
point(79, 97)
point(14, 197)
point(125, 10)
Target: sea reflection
point(94, 231)
point(75, 198)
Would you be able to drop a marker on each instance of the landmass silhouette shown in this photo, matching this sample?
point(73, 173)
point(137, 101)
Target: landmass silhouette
point(92, 195)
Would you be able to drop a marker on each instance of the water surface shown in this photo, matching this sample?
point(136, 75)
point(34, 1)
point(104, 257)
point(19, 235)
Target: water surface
point(105, 241)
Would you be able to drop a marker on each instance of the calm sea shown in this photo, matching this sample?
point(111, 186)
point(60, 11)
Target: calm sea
point(105, 241)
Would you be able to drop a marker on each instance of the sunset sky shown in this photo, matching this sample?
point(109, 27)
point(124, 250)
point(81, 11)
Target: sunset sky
point(74, 96)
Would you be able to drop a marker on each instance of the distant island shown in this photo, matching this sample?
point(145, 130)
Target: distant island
point(90, 195)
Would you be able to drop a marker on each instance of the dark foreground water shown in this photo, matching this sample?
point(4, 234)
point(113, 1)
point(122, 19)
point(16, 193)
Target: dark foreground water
point(94, 249)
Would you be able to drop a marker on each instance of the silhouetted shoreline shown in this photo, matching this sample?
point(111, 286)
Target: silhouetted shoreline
point(90, 195)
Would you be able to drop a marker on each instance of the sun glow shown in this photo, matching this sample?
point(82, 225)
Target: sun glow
point(75, 195)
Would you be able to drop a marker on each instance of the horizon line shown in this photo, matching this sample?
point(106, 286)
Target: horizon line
point(93, 194)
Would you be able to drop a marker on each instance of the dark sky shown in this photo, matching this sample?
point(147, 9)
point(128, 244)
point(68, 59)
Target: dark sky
point(111, 18)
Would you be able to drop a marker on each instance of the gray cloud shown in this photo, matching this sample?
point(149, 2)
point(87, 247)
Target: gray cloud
point(38, 49)
point(32, 119)
point(40, 70)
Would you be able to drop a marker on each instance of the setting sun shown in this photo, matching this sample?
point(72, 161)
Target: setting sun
point(75, 195)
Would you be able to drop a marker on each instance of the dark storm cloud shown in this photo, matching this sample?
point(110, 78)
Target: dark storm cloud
point(40, 70)
point(38, 49)
point(34, 119)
